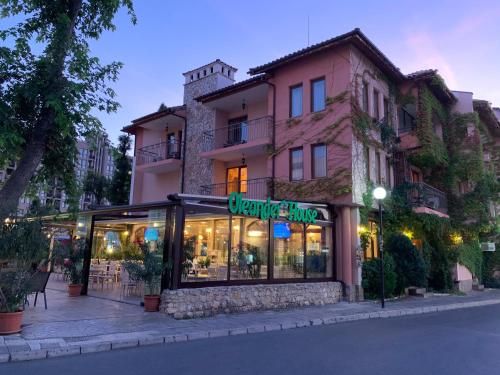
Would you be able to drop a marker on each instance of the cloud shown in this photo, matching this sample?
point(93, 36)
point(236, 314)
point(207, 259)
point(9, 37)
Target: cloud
point(424, 53)
point(475, 22)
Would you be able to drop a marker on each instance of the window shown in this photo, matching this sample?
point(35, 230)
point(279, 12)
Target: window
point(211, 69)
point(296, 164)
point(222, 70)
point(376, 112)
point(371, 251)
point(288, 251)
point(406, 119)
point(318, 95)
point(386, 110)
point(236, 180)
point(204, 72)
point(318, 251)
point(296, 101)
point(364, 93)
point(377, 166)
point(318, 161)
point(368, 166)
point(388, 172)
point(198, 75)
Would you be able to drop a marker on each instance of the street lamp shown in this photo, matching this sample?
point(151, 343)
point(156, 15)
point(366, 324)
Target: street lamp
point(379, 193)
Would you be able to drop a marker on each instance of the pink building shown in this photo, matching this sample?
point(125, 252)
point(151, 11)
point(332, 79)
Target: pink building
point(306, 127)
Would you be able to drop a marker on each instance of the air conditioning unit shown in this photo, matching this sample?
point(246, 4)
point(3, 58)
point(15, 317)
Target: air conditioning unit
point(488, 246)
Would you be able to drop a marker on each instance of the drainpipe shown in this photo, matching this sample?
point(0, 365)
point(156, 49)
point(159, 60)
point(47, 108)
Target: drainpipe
point(273, 139)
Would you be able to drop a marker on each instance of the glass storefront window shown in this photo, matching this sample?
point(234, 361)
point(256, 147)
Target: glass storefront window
point(249, 242)
point(205, 255)
point(288, 250)
point(318, 251)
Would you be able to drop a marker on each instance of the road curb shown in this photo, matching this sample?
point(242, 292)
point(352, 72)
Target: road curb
point(121, 341)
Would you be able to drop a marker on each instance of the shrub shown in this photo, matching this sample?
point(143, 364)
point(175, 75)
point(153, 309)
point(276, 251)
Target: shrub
point(23, 246)
point(409, 263)
point(71, 257)
point(371, 277)
point(491, 264)
point(440, 260)
point(470, 255)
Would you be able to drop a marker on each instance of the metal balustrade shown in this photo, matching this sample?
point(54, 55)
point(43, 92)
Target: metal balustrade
point(424, 195)
point(239, 133)
point(160, 151)
point(257, 188)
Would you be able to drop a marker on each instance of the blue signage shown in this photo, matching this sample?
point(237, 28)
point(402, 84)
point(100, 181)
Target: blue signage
point(282, 230)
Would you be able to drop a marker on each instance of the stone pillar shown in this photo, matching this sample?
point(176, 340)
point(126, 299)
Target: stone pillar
point(347, 254)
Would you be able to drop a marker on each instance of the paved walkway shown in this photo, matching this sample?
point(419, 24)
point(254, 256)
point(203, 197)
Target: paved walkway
point(89, 324)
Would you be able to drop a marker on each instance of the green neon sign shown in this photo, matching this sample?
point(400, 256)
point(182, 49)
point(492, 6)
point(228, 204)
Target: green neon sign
point(268, 210)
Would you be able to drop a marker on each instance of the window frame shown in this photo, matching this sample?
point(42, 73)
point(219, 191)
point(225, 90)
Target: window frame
point(312, 82)
point(313, 159)
point(290, 101)
point(365, 89)
point(291, 151)
point(376, 106)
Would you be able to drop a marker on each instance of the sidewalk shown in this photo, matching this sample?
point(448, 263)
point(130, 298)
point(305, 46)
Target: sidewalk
point(88, 324)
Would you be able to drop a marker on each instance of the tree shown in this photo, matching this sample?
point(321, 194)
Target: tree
point(119, 189)
point(46, 98)
point(97, 185)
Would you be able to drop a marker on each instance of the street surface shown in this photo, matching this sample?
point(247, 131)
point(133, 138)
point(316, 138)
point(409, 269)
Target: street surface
point(453, 342)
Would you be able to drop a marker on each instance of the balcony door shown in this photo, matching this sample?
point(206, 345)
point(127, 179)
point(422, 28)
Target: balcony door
point(237, 131)
point(236, 179)
point(172, 146)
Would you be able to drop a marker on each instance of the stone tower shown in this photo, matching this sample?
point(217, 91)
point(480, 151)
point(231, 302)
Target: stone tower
point(200, 118)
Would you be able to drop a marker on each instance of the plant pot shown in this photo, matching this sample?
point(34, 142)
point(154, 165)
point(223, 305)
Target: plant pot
point(10, 322)
point(151, 303)
point(74, 290)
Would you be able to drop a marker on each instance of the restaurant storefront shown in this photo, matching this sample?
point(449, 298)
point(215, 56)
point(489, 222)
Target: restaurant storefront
point(212, 242)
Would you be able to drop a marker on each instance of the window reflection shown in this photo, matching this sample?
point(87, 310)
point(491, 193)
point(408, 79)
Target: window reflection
point(288, 250)
point(318, 251)
point(249, 249)
point(205, 249)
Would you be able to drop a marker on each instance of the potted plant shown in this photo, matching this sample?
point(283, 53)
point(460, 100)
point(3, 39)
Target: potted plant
point(71, 257)
point(23, 246)
point(149, 270)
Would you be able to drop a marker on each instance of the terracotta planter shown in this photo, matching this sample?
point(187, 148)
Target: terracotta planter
point(151, 303)
point(10, 322)
point(74, 290)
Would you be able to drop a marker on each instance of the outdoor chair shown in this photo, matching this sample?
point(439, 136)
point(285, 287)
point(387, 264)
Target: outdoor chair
point(37, 284)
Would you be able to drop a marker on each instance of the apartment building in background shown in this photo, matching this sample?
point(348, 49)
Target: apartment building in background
point(93, 155)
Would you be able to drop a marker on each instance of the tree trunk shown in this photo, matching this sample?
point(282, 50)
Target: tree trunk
point(27, 165)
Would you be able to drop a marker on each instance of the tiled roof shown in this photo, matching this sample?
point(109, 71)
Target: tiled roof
point(153, 116)
point(429, 76)
point(355, 36)
point(232, 88)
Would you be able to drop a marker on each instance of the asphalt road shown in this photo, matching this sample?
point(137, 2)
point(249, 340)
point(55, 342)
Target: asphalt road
point(455, 342)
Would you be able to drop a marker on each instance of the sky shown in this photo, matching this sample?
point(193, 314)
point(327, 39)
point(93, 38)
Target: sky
point(459, 38)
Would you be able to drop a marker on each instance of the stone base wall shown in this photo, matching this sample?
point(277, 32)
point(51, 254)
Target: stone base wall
point(202, 302)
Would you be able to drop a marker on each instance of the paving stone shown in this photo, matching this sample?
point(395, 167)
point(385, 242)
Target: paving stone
point(124, 344)
point(18, 348)
point(273, 327)
point(152, 340)
point(169, 339)
point(28, 355)
point(238, 331)
point(256, 329)
point(303, 323)
point(197, 335)
point(4, 358)
point(60, 352)
point(219, 333)
point(316, 322)
point(95, 347)
point(288, 325)
point(178, 338)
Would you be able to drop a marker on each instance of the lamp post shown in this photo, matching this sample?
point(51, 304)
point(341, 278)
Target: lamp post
point(379, 193)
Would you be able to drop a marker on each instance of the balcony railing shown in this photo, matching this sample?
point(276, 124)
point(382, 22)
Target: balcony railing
point(424, 195)
point(239, 133)
point(258, 188)
point(158, 152)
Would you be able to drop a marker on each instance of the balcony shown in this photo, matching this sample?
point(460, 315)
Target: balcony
point(257, 188)
point(230, 142)
point(162, 157)
point(424, 197)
